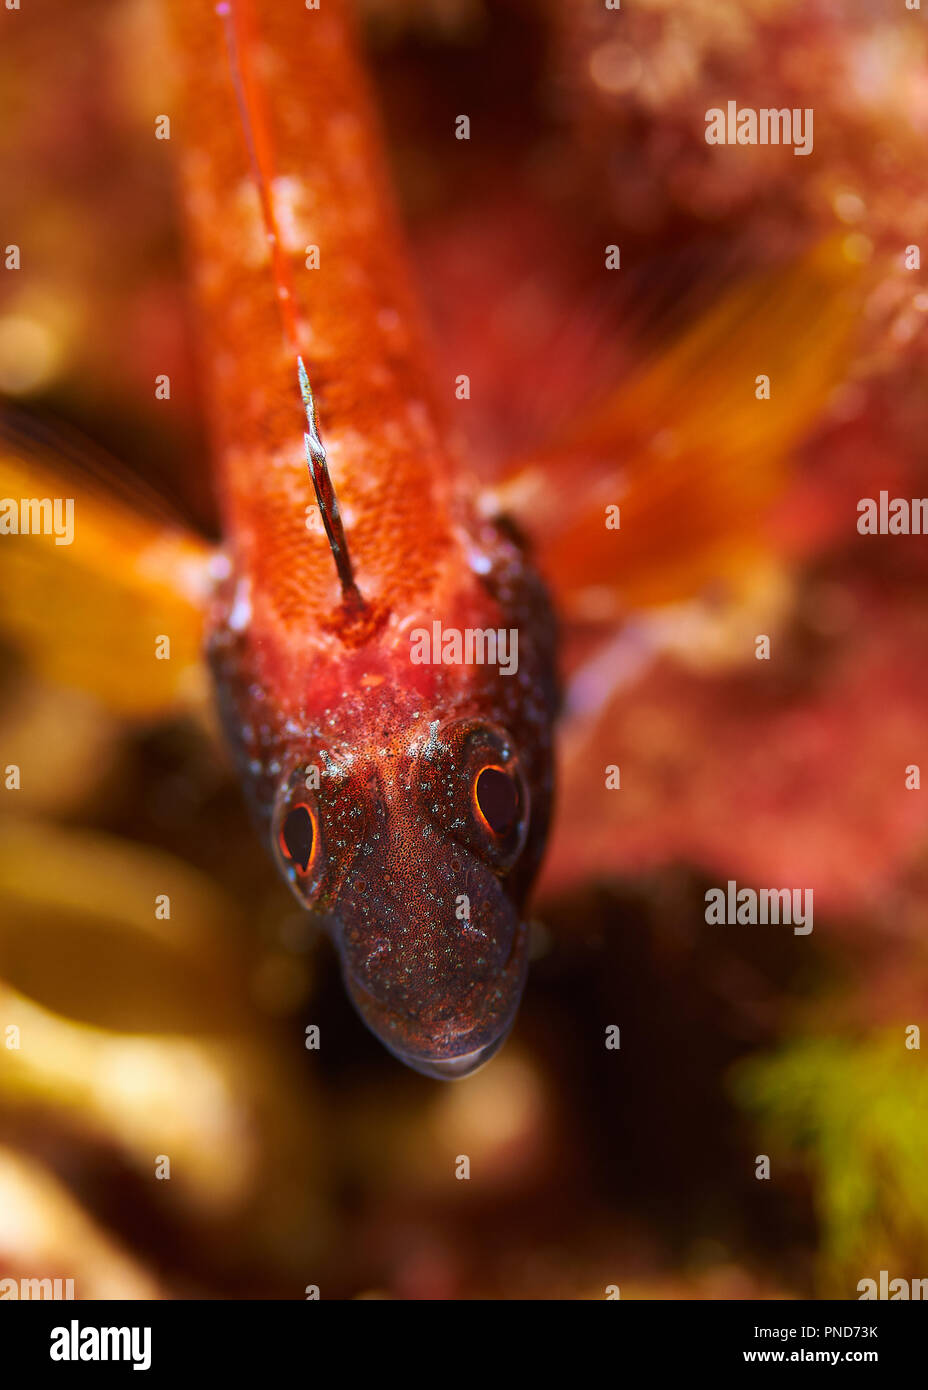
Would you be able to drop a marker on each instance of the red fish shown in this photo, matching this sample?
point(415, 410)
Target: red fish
point(406, 803)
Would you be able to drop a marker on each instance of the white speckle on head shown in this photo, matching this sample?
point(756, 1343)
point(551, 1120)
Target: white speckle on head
point(240, 615)
point(479, 563)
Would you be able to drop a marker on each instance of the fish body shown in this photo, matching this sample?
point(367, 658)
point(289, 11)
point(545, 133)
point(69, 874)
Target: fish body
point(406, 803)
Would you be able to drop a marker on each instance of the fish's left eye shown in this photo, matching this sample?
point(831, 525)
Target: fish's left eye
point(496, 795)
point(297, 837)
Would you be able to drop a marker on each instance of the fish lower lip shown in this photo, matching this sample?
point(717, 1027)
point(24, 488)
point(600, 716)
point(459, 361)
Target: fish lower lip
point(452, 1068)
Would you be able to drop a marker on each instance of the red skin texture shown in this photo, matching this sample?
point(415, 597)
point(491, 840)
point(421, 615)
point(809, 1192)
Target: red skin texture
point(357, 326)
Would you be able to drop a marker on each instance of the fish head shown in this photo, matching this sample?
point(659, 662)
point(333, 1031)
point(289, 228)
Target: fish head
point(417, 858)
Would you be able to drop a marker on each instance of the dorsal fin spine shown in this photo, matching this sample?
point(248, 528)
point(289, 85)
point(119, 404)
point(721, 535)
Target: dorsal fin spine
point(325, 492)
point(257, 141)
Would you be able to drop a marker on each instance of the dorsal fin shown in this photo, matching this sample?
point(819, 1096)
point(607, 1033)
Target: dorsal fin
point(325, 492)
point(257, 141)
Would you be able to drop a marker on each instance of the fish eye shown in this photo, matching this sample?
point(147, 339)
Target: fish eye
point(319, 818)
point(496, 797)
point(298, 837)
point(471, 782)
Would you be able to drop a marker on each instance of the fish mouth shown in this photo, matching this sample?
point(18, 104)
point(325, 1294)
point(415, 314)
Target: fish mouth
point(448, 1058)
point(454, 1068)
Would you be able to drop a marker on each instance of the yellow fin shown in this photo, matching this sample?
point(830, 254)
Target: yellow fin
point(686, 449)
point(87, 606)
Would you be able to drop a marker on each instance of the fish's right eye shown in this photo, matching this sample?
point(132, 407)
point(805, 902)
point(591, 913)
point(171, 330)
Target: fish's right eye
point(298, 838)
point(470, 780)
point(497, 800)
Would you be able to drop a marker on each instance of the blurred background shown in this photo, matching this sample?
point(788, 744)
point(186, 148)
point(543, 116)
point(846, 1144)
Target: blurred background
point(185, 1037)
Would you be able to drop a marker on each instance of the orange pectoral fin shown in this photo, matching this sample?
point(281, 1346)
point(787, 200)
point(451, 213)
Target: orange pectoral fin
point(96, 584)
point(688, 449)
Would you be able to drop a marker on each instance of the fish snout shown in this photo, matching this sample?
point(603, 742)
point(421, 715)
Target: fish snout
point(436, 976)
